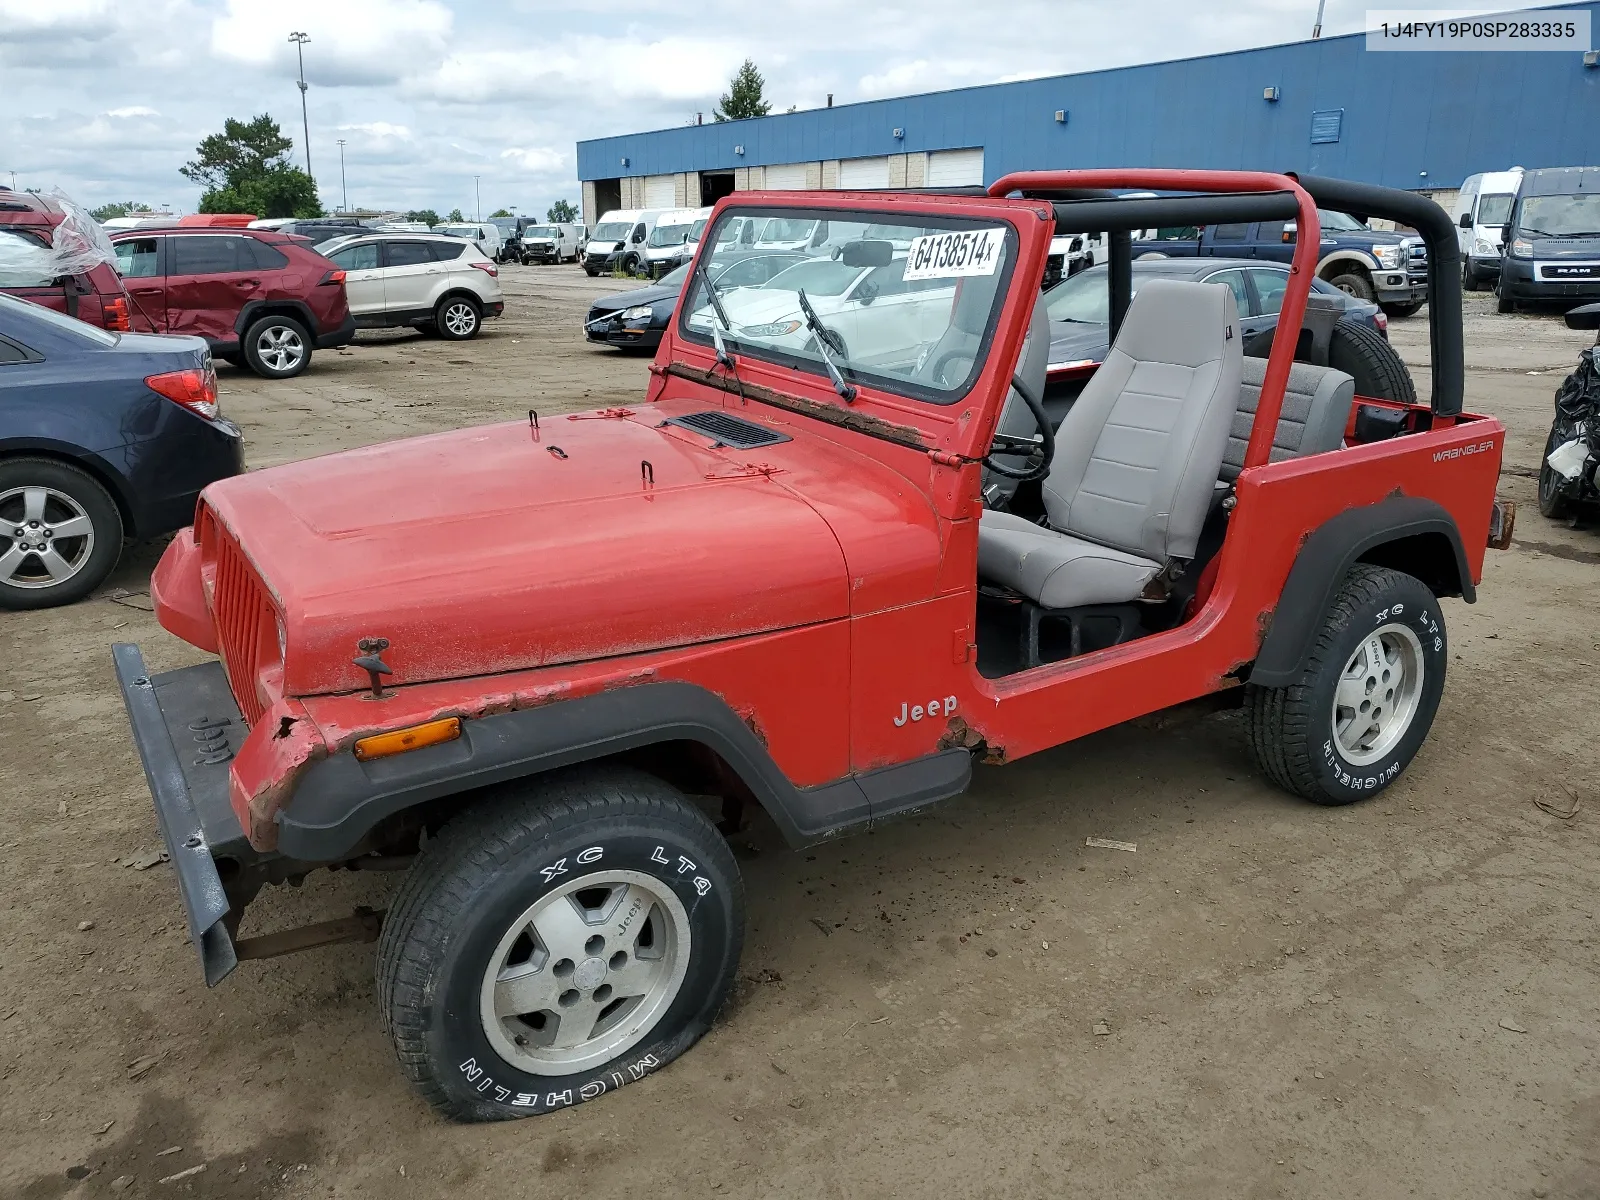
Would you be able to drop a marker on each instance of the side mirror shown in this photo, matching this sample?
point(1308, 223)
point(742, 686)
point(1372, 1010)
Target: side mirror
point(1466, 220)
point(1586, 316)
point(1505, 234)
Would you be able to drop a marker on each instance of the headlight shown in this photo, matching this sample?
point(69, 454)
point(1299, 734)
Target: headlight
point(1483, 246)
point(1521, 248)
point(1388, 256)
point(638, 312)
point(773, 329)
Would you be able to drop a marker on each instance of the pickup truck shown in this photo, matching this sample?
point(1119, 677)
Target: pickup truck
point(1388, 269)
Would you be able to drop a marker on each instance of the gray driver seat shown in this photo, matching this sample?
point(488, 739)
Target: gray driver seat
point(1137, 457)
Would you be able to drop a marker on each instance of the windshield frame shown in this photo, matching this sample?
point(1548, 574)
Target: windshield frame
point(862, 376)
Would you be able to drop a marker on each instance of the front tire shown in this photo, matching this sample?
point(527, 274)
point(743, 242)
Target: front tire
point(277, 347)
point(1503, 303)
point(60, 533)
point(552, 947)
point(1469, 277)
point(1357, 285)
point(1367, 696)
point(457, 318)
point(1552, 503)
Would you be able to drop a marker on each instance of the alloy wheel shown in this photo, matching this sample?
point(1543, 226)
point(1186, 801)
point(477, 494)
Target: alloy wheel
point(1377, 694)
point(46, 537)
point(460, 318)
point(280, 347)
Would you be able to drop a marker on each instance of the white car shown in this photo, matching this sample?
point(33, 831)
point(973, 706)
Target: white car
point(441, 284)
point(872, 310)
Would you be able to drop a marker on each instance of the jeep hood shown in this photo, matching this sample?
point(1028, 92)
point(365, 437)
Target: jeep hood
point(499, 548)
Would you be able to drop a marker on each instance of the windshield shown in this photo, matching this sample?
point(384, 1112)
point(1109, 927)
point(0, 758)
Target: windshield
point(459, 231)
point(819, 277)
point(1340, 222)
point(1082, 298)
point(1495, 210)
point(64, 324)
point(322, 248)
point(669, 235)
point(612, 231)
point(910, 311)
point(1561, 216)
point(699, 229)
point(544, 231)
point(675, 278)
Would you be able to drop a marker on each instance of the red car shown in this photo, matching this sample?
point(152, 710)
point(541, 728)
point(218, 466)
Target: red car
point(261, 299)
point(92, 293)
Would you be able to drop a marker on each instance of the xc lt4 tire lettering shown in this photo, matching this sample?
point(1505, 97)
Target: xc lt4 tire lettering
point(559, 944)
point(1366, 698)
point(60, 533)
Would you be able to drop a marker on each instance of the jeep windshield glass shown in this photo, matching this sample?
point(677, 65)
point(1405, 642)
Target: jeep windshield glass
point(1561, 216)
point(908, 302)
point(611, 231)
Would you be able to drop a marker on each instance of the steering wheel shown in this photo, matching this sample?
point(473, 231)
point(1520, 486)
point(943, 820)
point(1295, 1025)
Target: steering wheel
point(936, 372)
point(1042, 446)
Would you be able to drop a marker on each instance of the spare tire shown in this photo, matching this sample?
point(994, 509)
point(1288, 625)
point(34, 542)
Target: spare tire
point(1364, 354)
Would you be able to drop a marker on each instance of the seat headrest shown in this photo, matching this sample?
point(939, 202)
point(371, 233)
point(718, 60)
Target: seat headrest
point(1180, 322)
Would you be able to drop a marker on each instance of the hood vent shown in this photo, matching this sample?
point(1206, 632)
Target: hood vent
point(732, 432)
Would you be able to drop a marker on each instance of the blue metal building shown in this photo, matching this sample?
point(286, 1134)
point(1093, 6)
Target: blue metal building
point(1422, 121)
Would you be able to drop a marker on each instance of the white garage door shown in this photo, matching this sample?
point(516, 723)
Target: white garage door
point(787, 177)
point(659, 191)
point(953, 168)
point(864, 173)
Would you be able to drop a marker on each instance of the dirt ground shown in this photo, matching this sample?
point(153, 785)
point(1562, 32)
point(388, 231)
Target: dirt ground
point(1401, 998)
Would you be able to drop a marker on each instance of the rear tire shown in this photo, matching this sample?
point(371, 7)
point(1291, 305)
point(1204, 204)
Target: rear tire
point(1366, 698)
point(70, 526)
point(1469, 277)
point(549, 908)
point(1366, 356)
point(1552, 503)
point(277, 347)
point(457, 318)
point(1357, 285)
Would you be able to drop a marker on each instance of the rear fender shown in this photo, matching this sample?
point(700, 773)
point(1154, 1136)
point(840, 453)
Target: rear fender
point(337, 801)
point(1408, 533)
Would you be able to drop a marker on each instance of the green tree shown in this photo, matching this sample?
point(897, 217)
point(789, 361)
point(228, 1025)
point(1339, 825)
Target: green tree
point(119, 208)
point(246, 168)
point(455, 216)
point(500, 212)
point(743, 97)
point(426, 215)
point(562, 213)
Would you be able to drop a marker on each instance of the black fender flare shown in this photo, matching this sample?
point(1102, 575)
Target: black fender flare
point(266, 308)
point(1409, 533)
point(339, 800)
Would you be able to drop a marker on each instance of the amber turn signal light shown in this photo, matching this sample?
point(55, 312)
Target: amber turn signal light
point(398, 741)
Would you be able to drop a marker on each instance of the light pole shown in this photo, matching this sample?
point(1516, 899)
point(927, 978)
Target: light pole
point(300, 39)
point(344, 191)
point(1316, 30)
point(477, 203)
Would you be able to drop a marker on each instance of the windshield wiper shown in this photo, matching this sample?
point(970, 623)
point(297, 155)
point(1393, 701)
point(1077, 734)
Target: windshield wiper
point(723, 357)
point(823, 336)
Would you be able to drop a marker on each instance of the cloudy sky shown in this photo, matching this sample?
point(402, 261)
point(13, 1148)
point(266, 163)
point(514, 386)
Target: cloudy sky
point(107, 98)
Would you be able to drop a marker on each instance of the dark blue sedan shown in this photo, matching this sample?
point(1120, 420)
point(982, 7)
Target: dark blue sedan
point(104, 437)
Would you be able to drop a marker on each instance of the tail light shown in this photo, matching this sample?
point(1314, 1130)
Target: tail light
point(488, 268)
point(195, 389)
point(114, 315)
point(1381, 319)
point(334, 276)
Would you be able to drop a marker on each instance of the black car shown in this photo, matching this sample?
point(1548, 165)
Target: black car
point(637, 319)
point(1079, 306)
point(103, 437)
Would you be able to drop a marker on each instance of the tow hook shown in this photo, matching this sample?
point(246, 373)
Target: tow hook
point(1502, 518)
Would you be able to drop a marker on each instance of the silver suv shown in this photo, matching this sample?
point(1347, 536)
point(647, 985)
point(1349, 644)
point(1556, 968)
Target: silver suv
point(442, 284)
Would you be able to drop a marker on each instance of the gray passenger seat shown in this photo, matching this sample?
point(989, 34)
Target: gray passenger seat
point(1136, 458)
point(1316, 410)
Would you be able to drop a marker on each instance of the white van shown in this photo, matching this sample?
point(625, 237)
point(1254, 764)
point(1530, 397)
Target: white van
point(1482, 208)
point(620, 236)
point(551, 242)
point(668, 244)
point(484, 236)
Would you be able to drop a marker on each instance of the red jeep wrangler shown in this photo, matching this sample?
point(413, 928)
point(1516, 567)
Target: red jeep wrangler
point(835, 556)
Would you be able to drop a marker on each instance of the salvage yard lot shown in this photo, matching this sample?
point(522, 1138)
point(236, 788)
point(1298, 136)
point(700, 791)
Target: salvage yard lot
point(1397, 998)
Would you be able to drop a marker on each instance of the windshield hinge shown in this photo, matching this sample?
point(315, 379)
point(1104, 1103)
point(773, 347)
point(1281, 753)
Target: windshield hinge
point(948, 458)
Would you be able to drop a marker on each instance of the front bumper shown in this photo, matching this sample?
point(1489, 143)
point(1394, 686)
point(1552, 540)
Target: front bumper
point(610, 331)
point(1520, 279)
point(1399, 287)
point(187, 728)
point(341, 336)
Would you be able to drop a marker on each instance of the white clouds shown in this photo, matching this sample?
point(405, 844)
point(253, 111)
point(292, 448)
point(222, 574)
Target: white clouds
point(20, 18)
point(353, 42)
point(922, 75)
point(379, 131)
point(538, 159)
point(600, 70)
point(132, 110)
